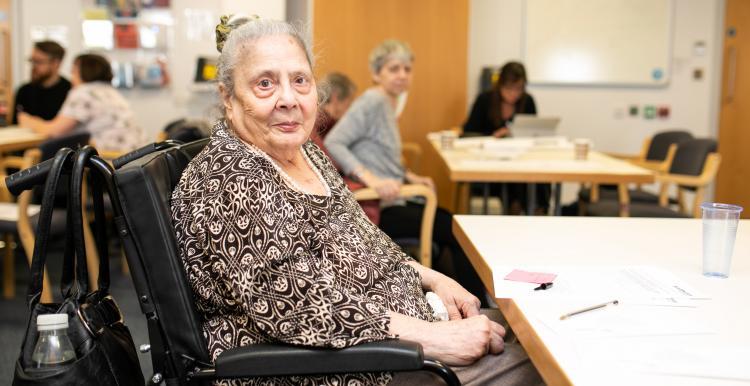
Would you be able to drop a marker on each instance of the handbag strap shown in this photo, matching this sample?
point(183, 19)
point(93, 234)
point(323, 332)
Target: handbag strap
point(44, 223)
point(76, 214)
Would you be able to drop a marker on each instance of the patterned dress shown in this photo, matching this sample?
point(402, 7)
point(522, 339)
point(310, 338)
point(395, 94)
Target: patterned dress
point(268, 262)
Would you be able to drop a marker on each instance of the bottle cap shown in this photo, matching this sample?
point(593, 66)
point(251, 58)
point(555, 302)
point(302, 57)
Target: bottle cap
point(51, 322)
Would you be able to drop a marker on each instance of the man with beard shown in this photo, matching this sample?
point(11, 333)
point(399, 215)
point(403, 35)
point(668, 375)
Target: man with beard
point(46, 92)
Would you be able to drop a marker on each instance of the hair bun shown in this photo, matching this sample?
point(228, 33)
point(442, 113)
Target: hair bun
point(229, 23)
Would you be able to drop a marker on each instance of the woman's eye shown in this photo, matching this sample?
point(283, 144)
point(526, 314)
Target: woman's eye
point(301, 80)
point(265, 83)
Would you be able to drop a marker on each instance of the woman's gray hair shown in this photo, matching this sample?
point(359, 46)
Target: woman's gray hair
point(389, 49)
point(236, 31)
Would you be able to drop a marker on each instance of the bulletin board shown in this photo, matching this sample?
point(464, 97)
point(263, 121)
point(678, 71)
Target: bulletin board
point(598, 42)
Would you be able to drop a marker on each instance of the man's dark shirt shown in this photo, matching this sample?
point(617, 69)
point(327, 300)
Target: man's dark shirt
point(40, 101)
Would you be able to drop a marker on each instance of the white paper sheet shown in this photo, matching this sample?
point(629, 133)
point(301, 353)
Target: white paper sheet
point(635, 284)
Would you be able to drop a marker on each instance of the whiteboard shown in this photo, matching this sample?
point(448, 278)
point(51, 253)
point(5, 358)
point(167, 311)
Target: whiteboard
point(598, 42)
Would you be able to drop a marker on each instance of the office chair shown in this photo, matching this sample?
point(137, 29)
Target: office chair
point(144, 183)
point(694, 167)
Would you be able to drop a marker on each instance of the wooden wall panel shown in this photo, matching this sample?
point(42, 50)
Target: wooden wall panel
point(733, 181)
point(344, 32)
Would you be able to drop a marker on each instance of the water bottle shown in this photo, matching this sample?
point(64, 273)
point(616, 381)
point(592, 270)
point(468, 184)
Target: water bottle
point(53, 347)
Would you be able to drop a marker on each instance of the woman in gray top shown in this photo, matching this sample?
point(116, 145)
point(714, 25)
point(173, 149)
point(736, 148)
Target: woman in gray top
point(366, 144)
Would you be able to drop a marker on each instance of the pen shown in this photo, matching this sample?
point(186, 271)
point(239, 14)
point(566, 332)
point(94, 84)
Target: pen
point(587, 309)
point(543, 286)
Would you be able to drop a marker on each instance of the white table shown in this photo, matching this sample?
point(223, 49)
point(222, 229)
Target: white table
point(672, 244)
point(511, 160)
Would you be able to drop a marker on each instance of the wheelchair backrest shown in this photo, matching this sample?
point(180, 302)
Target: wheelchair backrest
point(145, 186)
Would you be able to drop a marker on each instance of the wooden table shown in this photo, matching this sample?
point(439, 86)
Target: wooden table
point(14, 138)
point(497, 242)
point(534, 164)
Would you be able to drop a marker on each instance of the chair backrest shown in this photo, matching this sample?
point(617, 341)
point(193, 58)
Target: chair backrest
point(73, 141)
point(660, 142)
point(144, 187)
point(691, 156)
point(428, 214)
point(185, 130)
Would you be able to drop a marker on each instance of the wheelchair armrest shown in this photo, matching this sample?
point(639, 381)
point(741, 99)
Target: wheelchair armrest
point(284, 360)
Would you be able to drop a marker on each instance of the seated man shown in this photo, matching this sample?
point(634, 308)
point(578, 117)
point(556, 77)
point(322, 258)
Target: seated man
point(44, 95)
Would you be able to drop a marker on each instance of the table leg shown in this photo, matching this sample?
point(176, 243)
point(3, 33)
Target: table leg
point(558, 192)
point(485, 202)
point(530, 199)
point(505, 203)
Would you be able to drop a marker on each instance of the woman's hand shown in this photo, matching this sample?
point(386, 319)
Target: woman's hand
point(501, 132)
point(413, 178)
point(387, 188)
point(459, 302)
point(456, 342)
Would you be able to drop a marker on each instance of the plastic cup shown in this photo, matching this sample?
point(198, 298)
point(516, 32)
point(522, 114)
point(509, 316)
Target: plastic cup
point(581, 147)
point(448, 139)
point(719, 231)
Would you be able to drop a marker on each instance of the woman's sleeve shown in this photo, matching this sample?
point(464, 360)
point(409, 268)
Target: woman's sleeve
point(477, 116)
point(530, 107)
point(77, 105)
point(351, 128)
point(255, 262)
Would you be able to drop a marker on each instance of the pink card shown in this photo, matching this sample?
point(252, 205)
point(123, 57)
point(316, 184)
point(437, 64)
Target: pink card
point(530, 277)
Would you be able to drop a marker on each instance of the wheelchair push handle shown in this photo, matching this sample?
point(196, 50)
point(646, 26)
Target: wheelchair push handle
point(28, 178)
point(138, 153)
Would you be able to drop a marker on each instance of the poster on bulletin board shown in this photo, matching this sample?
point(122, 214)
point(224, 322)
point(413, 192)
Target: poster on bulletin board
point(594, 42)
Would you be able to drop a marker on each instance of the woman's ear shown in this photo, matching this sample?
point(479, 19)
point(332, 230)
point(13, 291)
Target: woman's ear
point(226, 99)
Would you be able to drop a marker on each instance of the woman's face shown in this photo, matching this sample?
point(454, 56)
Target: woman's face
point(395, 76)
point(511, 92)
point(75, 75)
point(275, 100)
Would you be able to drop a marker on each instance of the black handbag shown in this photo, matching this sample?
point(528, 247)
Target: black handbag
point(105, 353)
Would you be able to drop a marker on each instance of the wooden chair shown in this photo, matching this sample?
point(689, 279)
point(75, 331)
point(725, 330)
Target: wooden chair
point(428, 216)
point(411, 155)
point(16, 218)
point(694, 167)
point(656, 154)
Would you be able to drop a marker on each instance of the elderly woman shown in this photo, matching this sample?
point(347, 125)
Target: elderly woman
point(276, 248)
point(92, 105)
point(366, 144)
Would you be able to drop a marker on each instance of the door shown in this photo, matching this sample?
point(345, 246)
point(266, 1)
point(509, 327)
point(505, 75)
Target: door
point(346, 30)
point(733, 182)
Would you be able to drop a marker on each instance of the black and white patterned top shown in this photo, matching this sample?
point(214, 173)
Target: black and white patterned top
point(270, 263)
point(102, 111)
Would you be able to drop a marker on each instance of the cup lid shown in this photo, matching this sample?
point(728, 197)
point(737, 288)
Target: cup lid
point(720, 206)
point(51, 322)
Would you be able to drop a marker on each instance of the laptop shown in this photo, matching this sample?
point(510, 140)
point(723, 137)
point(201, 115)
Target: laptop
point(525, 125)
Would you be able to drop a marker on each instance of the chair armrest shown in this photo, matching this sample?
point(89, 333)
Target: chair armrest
point(710, 168)
point(624, 157)
point(262, 360)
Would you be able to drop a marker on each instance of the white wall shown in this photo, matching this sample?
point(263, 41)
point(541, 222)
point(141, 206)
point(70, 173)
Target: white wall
point(600, 113)
point(153, 108)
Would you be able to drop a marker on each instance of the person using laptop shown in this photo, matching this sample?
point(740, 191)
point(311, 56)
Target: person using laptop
point(491, 115)
point(493, 110)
